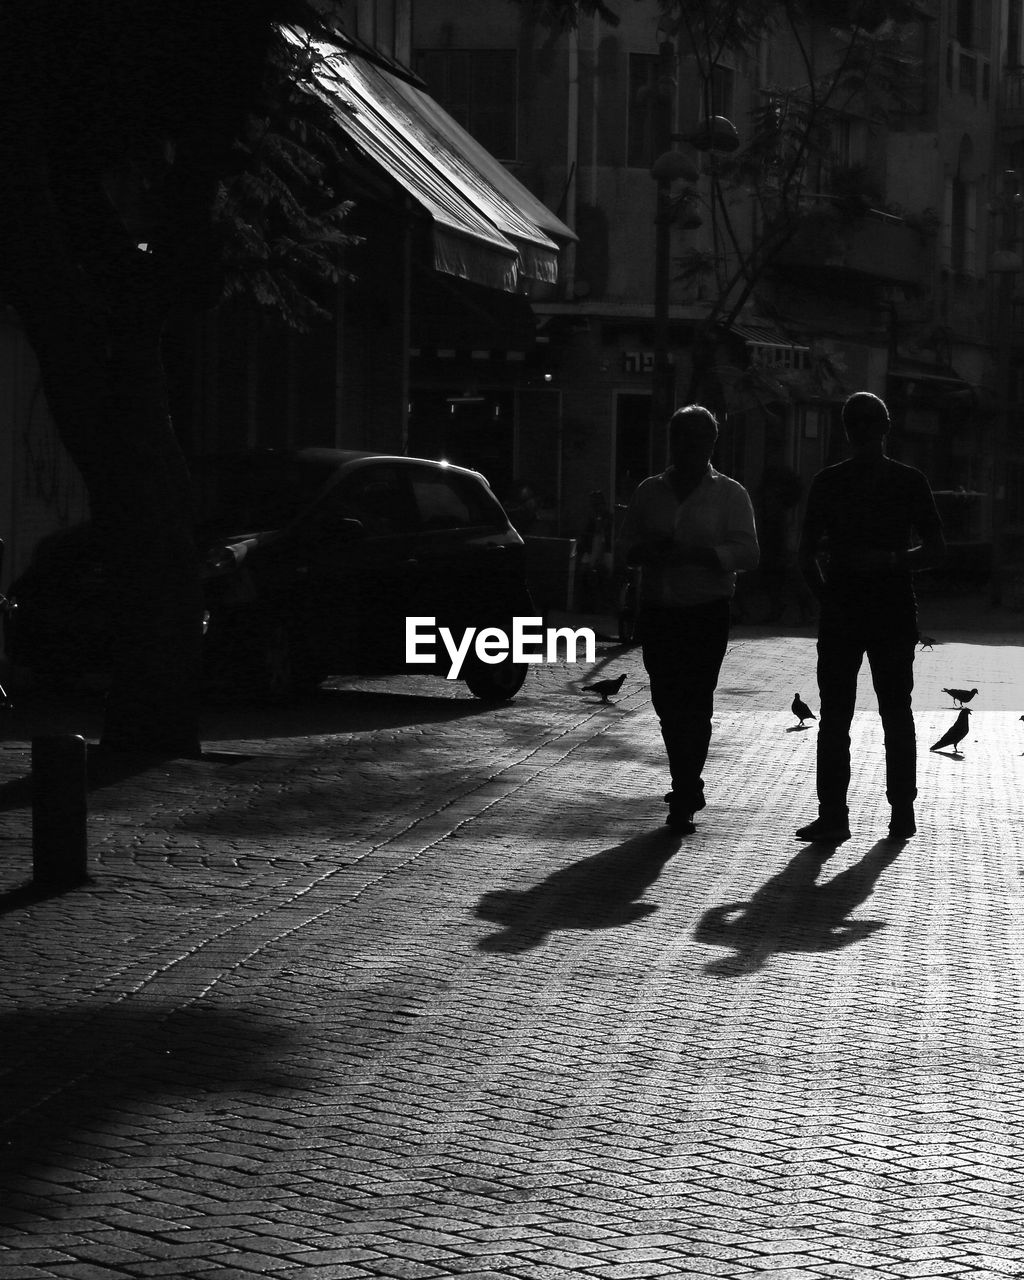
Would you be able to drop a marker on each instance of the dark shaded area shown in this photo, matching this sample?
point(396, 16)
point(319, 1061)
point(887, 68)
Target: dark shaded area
point(331, 710)
point(792, 912)
point(600, 892)
point(27, 895)
point(65, 1073)
point(324, 710)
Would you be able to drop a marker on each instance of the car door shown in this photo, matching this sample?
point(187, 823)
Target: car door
point(361, 568)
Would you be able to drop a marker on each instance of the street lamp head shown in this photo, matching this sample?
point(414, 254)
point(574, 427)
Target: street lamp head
point(715, 134)
point(671, 166)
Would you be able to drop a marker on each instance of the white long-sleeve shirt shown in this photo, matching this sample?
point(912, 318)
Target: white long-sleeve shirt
point(718, 514)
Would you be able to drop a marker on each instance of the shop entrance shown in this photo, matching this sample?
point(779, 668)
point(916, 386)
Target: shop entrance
point(633, 454)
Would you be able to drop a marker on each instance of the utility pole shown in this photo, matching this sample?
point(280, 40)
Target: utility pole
point(1006, 265)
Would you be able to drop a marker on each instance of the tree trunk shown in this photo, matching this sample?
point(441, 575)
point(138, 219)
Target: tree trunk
point(110, 410)
point(101, 368)
point(116, 125)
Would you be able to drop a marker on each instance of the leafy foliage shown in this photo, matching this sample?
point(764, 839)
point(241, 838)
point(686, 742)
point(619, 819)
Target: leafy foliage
point(282, 220)
point(847, 63)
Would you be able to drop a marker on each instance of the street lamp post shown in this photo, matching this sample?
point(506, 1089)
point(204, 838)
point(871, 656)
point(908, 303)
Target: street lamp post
point(669, 167)
point(1006, 265)
point(713, 135)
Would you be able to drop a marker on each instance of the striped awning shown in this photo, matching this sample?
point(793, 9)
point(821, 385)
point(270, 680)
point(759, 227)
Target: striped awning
point(486, 226)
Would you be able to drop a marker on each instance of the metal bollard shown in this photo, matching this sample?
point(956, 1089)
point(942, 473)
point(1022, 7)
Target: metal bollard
point(58, 811)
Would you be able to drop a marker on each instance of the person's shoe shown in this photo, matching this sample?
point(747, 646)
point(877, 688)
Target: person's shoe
point(825, 831)
point(679, 820)
point(901, 823)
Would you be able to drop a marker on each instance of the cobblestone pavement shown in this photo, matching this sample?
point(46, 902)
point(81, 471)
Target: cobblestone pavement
point(391, 984)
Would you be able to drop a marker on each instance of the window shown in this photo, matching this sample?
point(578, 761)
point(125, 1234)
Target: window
point(376, 495)
point(649, 117)
point(722, 88)
point(962, 226)
point(452, 501)
point(969, 74)
point(1013, 32)
point(479, 87)
point(847, 143)
point(965, 23)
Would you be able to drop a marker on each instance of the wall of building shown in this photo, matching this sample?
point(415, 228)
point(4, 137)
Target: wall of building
point(40, 488)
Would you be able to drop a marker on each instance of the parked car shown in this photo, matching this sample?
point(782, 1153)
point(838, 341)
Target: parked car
point(313, 560)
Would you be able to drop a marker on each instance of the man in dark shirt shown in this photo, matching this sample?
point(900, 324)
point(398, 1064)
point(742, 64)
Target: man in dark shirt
point(856, 554)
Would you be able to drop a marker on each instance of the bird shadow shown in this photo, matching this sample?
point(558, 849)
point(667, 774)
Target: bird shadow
point(599, 892)
point(798, 728)
point(948, 755)
point(792, 912)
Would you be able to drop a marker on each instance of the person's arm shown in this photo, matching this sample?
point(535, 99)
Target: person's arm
point(738, 552)
point(931, 551)
point(811, 534)
point(636, 544)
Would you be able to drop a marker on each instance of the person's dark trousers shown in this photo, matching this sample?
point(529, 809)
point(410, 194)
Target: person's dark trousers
point(683, 650)
point(888, 638)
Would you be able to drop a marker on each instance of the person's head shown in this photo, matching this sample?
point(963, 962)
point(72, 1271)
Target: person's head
point(865, 421)
point(692, 436)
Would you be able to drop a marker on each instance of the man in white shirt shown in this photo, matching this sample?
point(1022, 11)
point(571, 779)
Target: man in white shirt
point(692, 530)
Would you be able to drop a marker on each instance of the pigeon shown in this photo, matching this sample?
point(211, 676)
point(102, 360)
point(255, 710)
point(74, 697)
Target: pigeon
point(801, 710)
point(605, 687)
point(960, 696)
point(926, 642)
point(954, 736)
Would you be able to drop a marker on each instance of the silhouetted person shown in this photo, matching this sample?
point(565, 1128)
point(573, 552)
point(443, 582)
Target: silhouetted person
point(792, 912)
point(691, 529)
point(596, 551)
point(856, 554)
point(604, 891)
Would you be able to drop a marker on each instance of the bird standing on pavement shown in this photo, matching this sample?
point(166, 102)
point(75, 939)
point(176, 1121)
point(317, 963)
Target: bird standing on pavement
point(955, 735)
point(801, 710)
point(960, 696)
point(926, 642)
point(605, 687)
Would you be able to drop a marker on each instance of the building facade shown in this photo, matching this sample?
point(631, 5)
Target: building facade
point(888, 286)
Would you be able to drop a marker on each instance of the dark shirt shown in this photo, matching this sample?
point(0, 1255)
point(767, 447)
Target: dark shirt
point(859, 506)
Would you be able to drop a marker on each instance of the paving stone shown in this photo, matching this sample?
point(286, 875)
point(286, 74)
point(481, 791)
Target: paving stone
point(397, 992)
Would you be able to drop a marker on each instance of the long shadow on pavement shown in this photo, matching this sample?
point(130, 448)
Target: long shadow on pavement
point(328, 711)
point(599, 892)
point(68, 1073)
point(324, 711)
point(792, 912)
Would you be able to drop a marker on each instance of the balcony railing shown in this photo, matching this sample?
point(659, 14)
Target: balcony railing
point(879, 246)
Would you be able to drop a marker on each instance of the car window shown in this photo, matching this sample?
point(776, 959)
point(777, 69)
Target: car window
point(250, 493)
point(376, 495)
point(447, 500)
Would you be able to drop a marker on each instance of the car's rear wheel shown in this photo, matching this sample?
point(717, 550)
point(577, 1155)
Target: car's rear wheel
point(494, 682)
